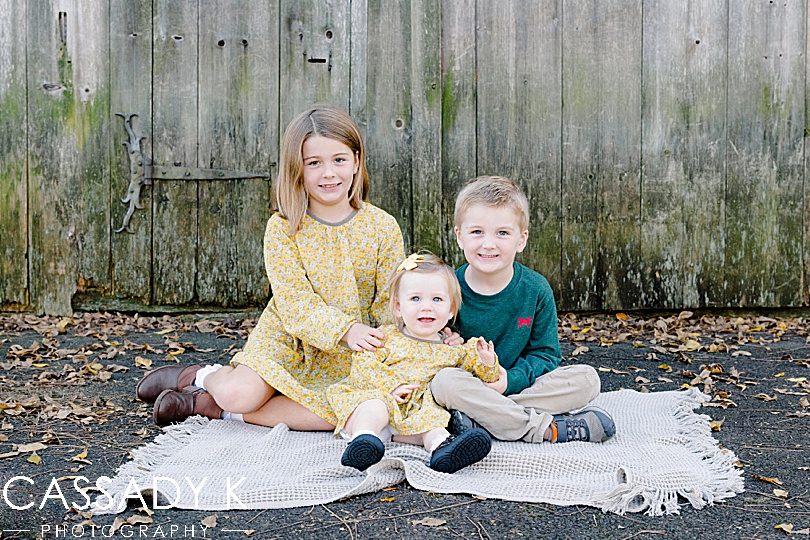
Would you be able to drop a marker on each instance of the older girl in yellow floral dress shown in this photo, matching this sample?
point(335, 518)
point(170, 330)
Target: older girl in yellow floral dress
point(391, 386)
point(328, 254)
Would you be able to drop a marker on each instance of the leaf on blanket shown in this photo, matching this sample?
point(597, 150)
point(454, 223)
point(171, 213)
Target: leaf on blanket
point(429, 522)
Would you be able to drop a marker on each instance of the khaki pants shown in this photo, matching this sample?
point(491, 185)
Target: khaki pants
point(524, 416)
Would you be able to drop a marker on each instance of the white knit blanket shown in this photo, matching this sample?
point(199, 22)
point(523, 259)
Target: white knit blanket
point(662, 453)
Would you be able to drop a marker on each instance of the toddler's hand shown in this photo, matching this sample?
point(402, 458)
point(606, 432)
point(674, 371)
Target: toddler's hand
point(360, 337)
point(453, 338)
point(499, 385)
point(403, 391)
point(486, 350)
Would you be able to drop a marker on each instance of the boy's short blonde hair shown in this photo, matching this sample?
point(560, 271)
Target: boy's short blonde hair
point(428, 263)
point(494, 191)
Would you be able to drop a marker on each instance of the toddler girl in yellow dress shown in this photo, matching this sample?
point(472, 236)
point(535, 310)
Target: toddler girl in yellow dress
point(390, 387)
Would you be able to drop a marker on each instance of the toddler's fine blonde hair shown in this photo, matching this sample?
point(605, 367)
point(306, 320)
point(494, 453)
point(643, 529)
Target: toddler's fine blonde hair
point(495, 191)
point(427, 264)
point(290, 195)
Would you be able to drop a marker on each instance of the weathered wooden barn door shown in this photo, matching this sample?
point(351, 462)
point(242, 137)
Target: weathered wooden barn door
point(212, 104)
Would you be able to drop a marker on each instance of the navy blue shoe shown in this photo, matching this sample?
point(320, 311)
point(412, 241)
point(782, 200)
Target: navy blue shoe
point(459, 451)
point(363, 452)
point(460, 422)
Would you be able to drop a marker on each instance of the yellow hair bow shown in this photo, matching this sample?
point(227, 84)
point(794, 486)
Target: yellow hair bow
point(411, 262)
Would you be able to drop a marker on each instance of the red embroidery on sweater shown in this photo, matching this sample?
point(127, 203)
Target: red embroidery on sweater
point(524, 322)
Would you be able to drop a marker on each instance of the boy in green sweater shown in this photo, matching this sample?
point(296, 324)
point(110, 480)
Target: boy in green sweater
point(513, 306)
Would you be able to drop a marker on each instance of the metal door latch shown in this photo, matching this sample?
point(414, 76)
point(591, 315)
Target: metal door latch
point(142, 173)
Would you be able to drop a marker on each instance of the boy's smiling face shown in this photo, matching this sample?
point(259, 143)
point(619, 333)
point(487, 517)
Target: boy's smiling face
point(490, 237)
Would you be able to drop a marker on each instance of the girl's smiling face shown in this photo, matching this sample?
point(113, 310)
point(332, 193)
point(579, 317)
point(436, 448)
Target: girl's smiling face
point(424, 304)
point(329, 169)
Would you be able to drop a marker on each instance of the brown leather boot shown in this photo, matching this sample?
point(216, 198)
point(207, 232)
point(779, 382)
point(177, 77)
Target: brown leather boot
point(172, 406)
point(165, 378)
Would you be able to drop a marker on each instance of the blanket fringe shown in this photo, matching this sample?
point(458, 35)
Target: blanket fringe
point(635, 494)
point(138, 471)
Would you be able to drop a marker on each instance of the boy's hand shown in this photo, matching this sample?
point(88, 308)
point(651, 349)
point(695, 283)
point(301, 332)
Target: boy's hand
point(486, 350)
point(499, 385)
point(453, 338)
point(403, 391)
point(360, 337)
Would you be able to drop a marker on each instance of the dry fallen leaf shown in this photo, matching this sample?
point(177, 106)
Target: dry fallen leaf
point(429, 522)
point(766, 479)
point(31, 447)
point(781, 493)
point(717, 424)
point(580, 350)
point(142, 362)
point(210, 521)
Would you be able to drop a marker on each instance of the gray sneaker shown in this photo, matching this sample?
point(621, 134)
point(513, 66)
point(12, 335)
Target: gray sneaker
point(589, 425)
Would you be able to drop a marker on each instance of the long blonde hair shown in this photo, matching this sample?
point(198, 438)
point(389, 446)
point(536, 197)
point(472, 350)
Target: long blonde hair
point(289, 193)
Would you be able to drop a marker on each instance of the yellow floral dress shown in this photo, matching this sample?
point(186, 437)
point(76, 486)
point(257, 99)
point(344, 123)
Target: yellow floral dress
point(404, 360)
point(324, 279)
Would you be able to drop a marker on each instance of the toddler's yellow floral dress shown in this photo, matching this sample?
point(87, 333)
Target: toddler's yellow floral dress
point(405, 360)
point(323, 279)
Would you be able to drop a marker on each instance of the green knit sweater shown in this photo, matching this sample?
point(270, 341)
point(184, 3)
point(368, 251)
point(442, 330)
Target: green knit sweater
point(521, 321)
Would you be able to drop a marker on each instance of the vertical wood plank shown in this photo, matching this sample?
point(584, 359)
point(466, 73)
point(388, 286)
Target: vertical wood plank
point(238, 131)
point(13, 152)
point(426, 109)
point(601, 173)
point(174, 238)
point(766, 142)
point(315, 55)
point(683, 151)
point(519, 46)
point(458, 114)
point(131, 93)
point(388, 121)
point(68, 111)
point(91, 73)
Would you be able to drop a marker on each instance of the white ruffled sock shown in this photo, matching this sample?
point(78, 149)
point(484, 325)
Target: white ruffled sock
point(435, 445)
point(364, 432)
point(199, 380)
point(232, 416)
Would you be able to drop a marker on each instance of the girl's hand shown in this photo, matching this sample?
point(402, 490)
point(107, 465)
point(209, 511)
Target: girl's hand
point(453, 338)
point(403, 391)
point(486, 350)
point(499, 385)
point(360, 337)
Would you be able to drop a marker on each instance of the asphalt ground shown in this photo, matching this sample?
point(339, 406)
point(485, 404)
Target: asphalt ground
point(67, 409)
